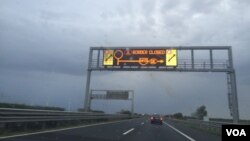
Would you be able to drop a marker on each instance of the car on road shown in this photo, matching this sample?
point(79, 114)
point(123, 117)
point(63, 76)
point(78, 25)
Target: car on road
point(156, 119)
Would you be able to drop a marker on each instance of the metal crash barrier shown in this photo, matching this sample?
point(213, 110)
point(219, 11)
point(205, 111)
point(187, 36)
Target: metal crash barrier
point(29, 119)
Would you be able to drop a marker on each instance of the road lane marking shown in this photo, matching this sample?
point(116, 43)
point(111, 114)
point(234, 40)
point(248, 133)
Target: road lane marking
point(191, 139)
point(125, 133)
point(63, 129)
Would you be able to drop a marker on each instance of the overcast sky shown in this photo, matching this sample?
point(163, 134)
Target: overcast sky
point(44, 48)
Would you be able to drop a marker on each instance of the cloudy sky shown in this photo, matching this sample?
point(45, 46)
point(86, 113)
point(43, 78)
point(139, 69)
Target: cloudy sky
point(44, 48)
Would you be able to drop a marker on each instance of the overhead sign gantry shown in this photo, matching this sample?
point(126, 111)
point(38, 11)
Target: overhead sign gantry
point(164, 59)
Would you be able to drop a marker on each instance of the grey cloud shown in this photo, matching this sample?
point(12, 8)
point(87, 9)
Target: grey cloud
point(44, 49)
point(205, 6)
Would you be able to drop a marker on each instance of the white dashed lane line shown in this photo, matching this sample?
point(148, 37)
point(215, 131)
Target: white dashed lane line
point(130, 130)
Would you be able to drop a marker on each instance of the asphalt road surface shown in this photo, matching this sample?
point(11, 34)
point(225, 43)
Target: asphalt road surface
point(129, 130)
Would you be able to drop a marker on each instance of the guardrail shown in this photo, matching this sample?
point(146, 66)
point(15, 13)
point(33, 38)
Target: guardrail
point(213, 126)
point(9, 115)
point(16, 120)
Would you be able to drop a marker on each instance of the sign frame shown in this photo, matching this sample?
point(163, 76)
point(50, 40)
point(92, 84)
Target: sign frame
point(225, 66)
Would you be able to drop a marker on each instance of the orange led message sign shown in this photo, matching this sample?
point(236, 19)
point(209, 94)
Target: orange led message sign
point(140, 57)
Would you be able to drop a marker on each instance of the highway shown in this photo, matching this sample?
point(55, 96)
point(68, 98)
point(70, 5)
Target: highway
point(127, 130)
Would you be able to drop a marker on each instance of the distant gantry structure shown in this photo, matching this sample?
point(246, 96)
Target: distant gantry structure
point(112, 95)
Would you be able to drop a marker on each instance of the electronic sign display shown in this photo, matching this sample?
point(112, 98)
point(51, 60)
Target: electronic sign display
point(140, 57)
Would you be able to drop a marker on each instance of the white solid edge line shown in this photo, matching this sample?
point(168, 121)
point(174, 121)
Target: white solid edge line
point(55, 130)
point(191, 139)
point(125, 133)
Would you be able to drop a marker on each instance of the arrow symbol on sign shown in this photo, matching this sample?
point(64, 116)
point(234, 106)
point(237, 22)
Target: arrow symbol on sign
point(171, 58)
point(108, 57)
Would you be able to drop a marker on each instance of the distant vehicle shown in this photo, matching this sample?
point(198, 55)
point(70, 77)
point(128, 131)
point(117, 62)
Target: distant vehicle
point(156, 119)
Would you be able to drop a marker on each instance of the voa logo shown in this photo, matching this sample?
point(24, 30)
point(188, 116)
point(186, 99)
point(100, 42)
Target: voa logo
point(236, 132)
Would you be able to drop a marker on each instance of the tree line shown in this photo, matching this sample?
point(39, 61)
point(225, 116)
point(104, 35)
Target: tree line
point(24, 106)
